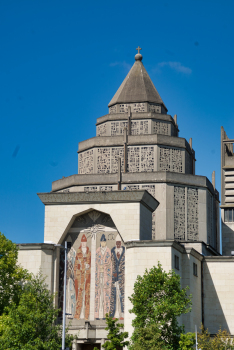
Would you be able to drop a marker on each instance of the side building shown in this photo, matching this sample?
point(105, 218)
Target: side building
point(135, 201)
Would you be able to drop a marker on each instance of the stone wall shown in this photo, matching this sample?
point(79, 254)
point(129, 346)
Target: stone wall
point(218, 294)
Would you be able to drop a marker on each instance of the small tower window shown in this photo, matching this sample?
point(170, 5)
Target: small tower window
point(229, 215)
point(177, 262)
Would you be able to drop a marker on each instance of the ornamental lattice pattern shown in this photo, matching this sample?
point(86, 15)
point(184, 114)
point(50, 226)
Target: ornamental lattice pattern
point(117, 128)
point(132, 187)
point(160, 128)
point(116, 152)
point(103, 160)
point(101, 130)
point(90, 189)
point(179, 213)
point(113, 110)
point(155, 108)
point(134, 159)
point(170, 160)
point(107, 159)
point(140, 159)
point(135, 107)
point(176, 161)
point(86, 162)
point(139, 127)
point(138, 107)
point(147, 159)
point(105, 188)
point(164, 159)
point(192, 214)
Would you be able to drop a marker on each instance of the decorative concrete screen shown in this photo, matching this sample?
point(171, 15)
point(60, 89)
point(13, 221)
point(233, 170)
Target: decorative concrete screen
point(117, 128)
point(192, 214)
point(170, 160)
point(179, 213)
point(185, 213)
point(86, 162)
point(140, 159)
point(95, 269)
point(160, 128)
point(101, 130)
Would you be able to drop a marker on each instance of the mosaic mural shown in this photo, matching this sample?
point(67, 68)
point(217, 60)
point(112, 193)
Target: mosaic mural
point(95, 269)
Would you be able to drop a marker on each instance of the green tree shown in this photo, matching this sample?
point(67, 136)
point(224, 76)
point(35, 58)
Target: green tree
point(187, 341)
point(157, 302)
point(31, 323)
point(116, 338)
point(11, 275)
point(221, 341)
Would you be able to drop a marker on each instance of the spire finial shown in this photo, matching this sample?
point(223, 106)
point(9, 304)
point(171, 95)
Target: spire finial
point(139, 49)
point(138, 56)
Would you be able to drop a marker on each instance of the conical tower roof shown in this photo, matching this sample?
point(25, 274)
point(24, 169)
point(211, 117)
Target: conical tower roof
point(137, 87)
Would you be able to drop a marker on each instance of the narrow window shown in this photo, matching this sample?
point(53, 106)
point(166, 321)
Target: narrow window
point(226, 215)
point(177, 262)
point(195, 269)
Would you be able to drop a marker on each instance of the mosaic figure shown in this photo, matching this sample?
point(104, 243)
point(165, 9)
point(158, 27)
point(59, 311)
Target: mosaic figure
point(82, 280)
point(103, 279)
point(70, 295)
point(118, 278)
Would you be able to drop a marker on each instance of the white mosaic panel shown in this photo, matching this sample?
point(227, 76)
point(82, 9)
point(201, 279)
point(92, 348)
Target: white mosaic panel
point(192, 214)
point(179, 213)
point(101, 130)
point(86, 162)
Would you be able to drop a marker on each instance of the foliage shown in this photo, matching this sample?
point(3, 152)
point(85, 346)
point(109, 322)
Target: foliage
point(150, 338)
point(116, 338)
point(30, 323)
point(11, 275)
point(187, 341)
point(158, 300)
point(221, 341)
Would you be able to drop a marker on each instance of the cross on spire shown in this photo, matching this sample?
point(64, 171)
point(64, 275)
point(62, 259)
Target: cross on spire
point(139, 49)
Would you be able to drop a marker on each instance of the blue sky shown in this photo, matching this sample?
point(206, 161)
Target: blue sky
point(61, 63)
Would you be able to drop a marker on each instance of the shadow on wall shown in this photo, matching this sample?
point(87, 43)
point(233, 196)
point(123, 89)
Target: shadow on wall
point(227, 239)
point(218, 277)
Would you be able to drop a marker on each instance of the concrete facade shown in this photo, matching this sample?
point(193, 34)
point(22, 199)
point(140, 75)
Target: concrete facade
point(136, 201)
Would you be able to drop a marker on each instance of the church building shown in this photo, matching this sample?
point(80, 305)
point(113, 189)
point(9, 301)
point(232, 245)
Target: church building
point(137, 201)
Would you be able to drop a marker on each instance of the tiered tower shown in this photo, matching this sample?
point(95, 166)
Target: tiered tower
point(137, 147)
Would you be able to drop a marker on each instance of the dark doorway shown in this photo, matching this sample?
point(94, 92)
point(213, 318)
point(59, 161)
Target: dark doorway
point(89, 346)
